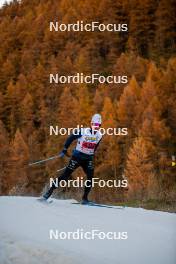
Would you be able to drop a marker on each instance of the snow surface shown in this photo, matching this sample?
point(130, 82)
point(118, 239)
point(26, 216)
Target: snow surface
point(25, 226)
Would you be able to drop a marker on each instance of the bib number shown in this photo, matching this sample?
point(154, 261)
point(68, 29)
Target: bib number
point(88, 145)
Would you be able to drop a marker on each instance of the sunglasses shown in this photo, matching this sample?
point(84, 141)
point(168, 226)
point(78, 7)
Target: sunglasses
point(96, 124)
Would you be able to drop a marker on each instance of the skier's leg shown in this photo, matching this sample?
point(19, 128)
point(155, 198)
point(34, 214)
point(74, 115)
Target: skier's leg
point(88, 167)
point(72, 165)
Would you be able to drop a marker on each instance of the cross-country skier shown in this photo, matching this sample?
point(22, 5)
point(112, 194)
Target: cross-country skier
point(88, 140)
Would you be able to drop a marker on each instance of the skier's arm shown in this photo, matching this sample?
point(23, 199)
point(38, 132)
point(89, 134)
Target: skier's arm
point(97, 144)
point(70, 139)
point(68, 142)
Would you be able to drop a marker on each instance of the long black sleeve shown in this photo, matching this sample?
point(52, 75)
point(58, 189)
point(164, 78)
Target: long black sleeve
point(70, 139)
point(98, 144)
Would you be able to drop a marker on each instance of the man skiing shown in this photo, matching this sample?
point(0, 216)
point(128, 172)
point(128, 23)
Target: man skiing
point(88, 140)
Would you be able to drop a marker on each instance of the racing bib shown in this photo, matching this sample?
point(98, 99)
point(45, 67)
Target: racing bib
point(88, 141)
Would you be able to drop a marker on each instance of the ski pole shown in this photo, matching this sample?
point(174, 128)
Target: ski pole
point(44, 160)
point(61, 169)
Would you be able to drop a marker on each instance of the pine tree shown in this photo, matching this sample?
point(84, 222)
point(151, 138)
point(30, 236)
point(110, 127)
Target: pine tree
point(127, 103)
point(7, 74)
point(149, 90)
point(84, 108)
point(19, 157)
point(4, 159)
point(110, 142)
point(140, 170)
point(141, 38)
point(154, 127)
point(27, 116)
point(167, 94)
point(67, 107)
point(108, 113)
point(1, 105)
point(110, 11)
point(21, 87)
point(12, 109)
point(99, 96)
point(165, 28)
point(82, 63)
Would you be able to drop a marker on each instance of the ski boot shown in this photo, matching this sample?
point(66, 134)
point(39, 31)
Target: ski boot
point(48, 193)
point(85, 201)
point(45, 197)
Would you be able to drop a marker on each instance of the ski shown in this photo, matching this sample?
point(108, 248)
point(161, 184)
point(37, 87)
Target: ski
point(98, 205)
point(44, 201)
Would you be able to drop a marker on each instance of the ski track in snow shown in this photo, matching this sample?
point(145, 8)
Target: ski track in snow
point(25, 226)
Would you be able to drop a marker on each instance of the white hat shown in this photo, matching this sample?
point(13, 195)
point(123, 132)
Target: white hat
point(96, 119)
